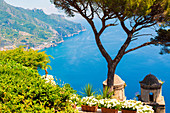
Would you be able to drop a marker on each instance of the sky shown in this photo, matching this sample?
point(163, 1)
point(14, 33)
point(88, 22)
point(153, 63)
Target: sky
point(45, 5)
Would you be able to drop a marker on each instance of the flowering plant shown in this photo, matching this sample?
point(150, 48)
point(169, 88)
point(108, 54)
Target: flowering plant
point(89, 101)
point(74, 99)
point(49, 79)
point(145, 109)
point(130, 105)
point(109, 103)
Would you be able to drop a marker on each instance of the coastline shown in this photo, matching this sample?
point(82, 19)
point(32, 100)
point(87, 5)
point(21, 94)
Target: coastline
point(70, 35)
point(55, 44)
point(45, 44)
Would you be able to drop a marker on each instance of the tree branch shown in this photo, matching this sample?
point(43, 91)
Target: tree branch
point(141, 35)
point(92, 11)
point(104, 27)
point(98, 15)
point(102, 50)
point(143, 45)
point(86, 17)
point(124, 27)
point(145, 26)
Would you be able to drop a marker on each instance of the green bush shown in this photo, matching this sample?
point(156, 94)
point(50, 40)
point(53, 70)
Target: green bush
point(23, 90)
point(29, 58)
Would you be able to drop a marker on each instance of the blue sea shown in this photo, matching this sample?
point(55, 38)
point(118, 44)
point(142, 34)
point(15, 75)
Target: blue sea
point(78, 61)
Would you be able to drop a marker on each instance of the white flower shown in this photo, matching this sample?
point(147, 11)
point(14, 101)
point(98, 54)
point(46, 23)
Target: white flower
point(145, 109)
point(109, 103)
point(91, 101)
point(137, 105)
point(74, 99)
point(49, 79)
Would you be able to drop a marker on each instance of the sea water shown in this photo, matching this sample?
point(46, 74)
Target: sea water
point(78, 61)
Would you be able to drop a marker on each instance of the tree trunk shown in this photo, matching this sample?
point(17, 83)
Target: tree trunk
point(110, 78)
point(112, 66)
point(46, 72)
point(110, 75)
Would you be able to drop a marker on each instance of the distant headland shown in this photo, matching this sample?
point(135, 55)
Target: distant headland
point(33, 28)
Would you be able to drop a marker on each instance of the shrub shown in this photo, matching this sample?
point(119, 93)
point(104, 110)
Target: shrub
point(23, 90)
point(28, 58)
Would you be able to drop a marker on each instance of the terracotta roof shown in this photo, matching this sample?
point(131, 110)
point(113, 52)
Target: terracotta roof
point(150, 80)
point(117, 81)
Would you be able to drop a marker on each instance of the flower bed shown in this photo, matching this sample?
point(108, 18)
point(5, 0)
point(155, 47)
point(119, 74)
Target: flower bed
point(89, 104)
point(132, 106)
point(112, 105)
point(109, 103)
point(145, 109)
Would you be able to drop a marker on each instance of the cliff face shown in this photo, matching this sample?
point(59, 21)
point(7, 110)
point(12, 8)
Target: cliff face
point(23, 26)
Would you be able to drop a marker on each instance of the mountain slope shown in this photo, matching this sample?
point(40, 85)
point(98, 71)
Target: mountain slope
point(20, 26)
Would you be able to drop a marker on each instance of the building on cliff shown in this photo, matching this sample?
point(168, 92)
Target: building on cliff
point(151, 93)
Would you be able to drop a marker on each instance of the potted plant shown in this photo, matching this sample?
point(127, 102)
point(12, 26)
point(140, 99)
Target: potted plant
point(89, 104)
point(130, 106)
point(109, 105)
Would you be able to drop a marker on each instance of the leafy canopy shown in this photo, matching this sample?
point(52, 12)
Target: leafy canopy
point(140, 13)
point(163, 39)
point(28, 58)
point(126, 8)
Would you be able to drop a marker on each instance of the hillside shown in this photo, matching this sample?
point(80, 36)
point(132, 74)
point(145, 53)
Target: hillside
point(20, 26)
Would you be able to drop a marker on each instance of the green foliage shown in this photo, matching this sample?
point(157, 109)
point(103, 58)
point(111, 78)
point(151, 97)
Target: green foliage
point(23, 90)
point(163, 39)
point(129, 8)
point(105, 94)
point(126, 8)
point(69, 109)
point(74, 100)
point(28, 58)
point(88, 90)
point(163, 35)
